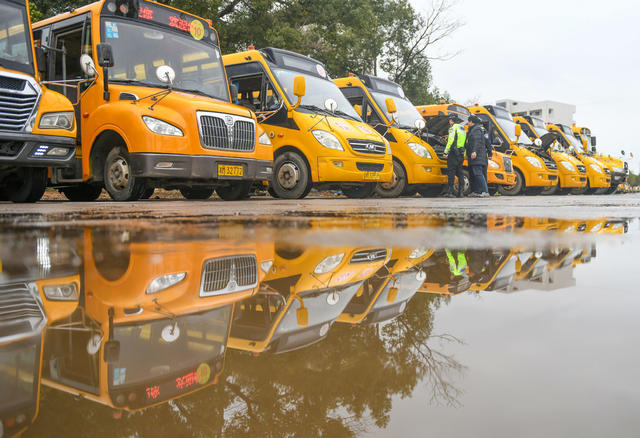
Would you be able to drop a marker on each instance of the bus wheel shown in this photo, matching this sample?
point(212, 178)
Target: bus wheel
point(82, 192)
point(466, 185)
point(396, 186)
point(534, 191)
point(514, 189)
point(291, 176)
point(272, 192)
point(234, 190)
point(611, 190)
point(194, 193)
point(359, 191)
point(119, 180)
point(493, 189)
point(27, 184)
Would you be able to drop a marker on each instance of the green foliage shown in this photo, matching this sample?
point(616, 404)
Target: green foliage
point(634, 179)
point(359, 36)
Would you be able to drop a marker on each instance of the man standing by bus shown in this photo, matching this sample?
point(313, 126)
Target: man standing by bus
point(456, 139)
point(478, 160)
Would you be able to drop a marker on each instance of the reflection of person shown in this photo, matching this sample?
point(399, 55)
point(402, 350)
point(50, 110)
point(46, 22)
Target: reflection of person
point(477, 156)
point(458, 263)
point(456, 139)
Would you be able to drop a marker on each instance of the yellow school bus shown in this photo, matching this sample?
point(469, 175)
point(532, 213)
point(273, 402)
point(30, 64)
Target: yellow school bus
point(618, 167)
point(155, 317)
point(499, 170)
point(598, 173)
point(153, 104)
point(305, 291)
point(39, 284)
point(571, 172)
point(318, 138)
point(37, 125)
point(383, 105)
point(533, 172)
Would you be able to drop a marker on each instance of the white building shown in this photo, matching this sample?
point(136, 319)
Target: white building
point(548, 110)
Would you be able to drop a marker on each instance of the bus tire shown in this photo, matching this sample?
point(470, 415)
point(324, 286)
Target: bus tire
point(196, 193)
point(359, 191)
point(611, 190)
point(272, 192)
point(515, 189)
point(27, 184)
point(119, 180)
point(82, 192)
point(466, 185)
point(291, 176)
point(581, 190)
point(234, 190)
point(396, 186)
point(551, 190)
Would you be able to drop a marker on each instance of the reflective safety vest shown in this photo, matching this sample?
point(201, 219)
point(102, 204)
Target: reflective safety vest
point(457, 134)
point(459, 267)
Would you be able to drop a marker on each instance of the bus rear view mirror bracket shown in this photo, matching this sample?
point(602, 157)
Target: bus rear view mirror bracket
point(105, 60)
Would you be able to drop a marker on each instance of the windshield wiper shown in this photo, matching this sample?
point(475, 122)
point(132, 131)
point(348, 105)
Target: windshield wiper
point(138, 82)
point(343, 114)
point(316, 108)
point(194, 91)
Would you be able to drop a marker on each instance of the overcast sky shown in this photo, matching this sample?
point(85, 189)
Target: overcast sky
point(583, 52)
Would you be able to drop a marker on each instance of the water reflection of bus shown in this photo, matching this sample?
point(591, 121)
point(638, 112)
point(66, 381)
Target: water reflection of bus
point(39, 283)
point(385, 294)
point(155, 317)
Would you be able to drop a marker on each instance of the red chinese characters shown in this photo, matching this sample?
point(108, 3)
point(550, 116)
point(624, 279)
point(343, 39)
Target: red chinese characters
point(179, 23)
point(145, 12)
point(187, 380)
point(153, 392)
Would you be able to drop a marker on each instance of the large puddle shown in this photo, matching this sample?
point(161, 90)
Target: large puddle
point(394, 325)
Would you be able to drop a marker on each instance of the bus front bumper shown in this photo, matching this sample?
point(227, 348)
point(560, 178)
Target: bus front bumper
point(198, 167)
point(353, 169)
point(429, 173)
point(573, 180)
point(35, 150)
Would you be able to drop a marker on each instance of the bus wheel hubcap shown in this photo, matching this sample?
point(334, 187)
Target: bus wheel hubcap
point(288, 175)
point(119, 174)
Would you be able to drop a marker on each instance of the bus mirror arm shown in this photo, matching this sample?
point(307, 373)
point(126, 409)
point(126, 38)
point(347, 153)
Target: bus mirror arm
point(112, 346)
point(105, 60)
point(41, 60)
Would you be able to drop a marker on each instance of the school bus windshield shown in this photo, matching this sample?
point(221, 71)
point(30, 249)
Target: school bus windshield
point(15, 44)
point(147, 355)
point(538, 126)
point(198, 65)
point(509, 128)
point(407, 113)
point(318, 90)
point(19, 364)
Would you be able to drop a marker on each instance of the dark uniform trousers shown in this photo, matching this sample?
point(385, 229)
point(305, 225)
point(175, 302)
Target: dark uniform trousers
point(454, 168)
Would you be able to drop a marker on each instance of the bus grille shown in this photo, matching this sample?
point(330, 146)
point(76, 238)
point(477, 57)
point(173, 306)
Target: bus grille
point(368, 147)
point(17, 102)
point(227, 132)
point(508, 166)
point(549, 163)
point(581, 168)
point(369, 255)
point(20, 312)
point(229, 274)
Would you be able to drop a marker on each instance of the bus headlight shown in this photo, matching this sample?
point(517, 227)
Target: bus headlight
point(61, 292)
point(266, 266)
point(534, 162)
point(420, 150)
point(165, 281)
point(618, 169)
point(328, 264)
point(568, 165)
point(264, 139)
point(161, 127)
point(327, 139)
point(418, 252)
point(493, 164)
point(386, 142)
point(596, 168)
point(62, 120)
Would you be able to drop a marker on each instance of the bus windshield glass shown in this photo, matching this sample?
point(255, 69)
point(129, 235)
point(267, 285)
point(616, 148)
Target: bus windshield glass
point(15, 42)
point(407, 113)
point(509, 128)
point(318, 90)
point(538, 126)
point(148, 355)
point(197, 64)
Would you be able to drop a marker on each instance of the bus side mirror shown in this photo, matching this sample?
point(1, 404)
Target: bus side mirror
point(302, 315)
point(105, 55)
point(518, 130)
point(391, 105)
point(299, 86)
point(392, 295)
point(112, 351)
point(41, 60)
point(593, 149)
point(593, 141)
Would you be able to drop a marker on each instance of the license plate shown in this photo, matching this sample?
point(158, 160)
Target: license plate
point(372, 175)
point(228, 170)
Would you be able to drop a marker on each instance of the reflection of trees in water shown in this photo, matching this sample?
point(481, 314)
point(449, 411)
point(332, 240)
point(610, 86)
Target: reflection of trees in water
point(339, 387)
